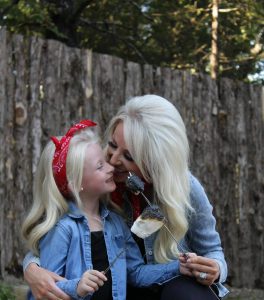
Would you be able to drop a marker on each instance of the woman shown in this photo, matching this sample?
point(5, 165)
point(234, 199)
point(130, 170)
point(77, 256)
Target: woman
point(148, 137)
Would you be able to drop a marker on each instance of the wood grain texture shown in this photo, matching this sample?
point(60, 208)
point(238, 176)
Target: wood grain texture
point(46, 86)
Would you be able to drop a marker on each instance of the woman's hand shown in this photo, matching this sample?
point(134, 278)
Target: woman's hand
point(90, 282)
point(184, 268)
point(205, 270)
point(43, 283)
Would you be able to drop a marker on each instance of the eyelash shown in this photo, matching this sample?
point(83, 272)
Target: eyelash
point(100, 166)
point(114, 146)
point(129, 158)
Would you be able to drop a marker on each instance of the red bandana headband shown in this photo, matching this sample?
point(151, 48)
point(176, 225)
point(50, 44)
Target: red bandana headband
point(60, 155)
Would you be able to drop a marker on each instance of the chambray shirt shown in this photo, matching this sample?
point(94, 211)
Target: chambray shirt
point(66, 250)
point(201, 238)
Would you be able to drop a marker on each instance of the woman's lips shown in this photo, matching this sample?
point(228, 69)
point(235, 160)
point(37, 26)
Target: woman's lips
point(118, 173)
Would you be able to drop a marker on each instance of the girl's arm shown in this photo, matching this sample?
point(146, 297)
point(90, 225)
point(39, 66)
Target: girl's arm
point(54, 249)
point(141, 274)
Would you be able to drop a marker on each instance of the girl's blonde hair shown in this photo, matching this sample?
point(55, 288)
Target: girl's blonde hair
point(48, 203)
point(156, 138)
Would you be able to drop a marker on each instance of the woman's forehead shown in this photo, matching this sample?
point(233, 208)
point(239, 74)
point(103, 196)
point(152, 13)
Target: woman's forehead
point(118, 134)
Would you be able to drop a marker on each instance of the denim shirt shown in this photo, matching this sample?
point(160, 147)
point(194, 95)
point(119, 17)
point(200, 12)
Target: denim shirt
point(66, 250)
point(201, 238)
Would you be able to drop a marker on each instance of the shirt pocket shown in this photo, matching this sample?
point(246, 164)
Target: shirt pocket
point(119, 242)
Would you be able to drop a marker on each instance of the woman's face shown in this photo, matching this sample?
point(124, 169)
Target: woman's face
point(119, 157)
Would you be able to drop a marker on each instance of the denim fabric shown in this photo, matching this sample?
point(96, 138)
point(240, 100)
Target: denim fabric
point(66, 250)
point(201, 238)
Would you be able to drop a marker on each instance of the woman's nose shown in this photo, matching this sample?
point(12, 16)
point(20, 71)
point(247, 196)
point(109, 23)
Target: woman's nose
point(114, 158)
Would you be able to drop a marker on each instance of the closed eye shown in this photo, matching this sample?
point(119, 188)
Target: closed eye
point(100, 165)
point(126, 154)
point(128, 157)
point(112, 144)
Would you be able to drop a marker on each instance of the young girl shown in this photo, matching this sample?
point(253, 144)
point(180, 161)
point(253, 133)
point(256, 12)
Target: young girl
point(72, 230)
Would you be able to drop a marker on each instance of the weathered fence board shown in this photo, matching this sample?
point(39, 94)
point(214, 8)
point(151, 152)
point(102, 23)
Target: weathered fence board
point(45, 86)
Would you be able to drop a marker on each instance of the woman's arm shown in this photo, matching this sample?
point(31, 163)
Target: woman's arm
point(43, 283)
point(204, 240)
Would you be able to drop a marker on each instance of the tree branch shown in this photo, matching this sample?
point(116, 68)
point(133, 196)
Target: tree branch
point(140, 55)
point(75, 15)
point(5, 11)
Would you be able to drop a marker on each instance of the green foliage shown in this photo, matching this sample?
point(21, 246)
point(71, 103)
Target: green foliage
point(165, 33)
point(6, 292)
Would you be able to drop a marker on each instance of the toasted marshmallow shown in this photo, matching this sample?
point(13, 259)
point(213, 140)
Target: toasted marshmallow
point(150, 221)
point(134, 184)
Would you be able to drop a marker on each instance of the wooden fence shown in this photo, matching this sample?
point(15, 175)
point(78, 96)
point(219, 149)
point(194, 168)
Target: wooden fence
point(45, 86)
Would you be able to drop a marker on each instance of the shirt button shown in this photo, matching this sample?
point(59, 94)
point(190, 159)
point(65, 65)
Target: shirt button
point(150, 252)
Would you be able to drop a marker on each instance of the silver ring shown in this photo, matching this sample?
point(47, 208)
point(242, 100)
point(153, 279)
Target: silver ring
point(202, 275)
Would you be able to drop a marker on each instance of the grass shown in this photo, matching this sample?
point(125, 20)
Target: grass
point(6, 292)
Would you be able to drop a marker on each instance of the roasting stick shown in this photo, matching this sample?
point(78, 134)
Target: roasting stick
point(136, 186)
point(115, 259)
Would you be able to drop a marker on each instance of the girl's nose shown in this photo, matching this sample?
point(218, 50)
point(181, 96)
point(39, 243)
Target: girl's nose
point(110, 168)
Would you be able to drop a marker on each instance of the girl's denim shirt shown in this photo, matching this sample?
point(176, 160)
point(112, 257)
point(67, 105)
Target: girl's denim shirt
point(201, 238)
point(66, 250)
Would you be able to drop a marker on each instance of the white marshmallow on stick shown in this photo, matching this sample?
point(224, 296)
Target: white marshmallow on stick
point(150, 221)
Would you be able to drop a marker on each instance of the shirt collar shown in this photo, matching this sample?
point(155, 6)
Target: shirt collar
point(75, 212)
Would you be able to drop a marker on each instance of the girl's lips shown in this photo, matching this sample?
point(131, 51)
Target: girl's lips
point(110, 179)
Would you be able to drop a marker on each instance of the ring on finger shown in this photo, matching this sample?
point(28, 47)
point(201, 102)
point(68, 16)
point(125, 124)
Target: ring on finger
point(203, 275)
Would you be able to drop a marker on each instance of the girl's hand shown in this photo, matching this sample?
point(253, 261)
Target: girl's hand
point(42, 283)
point(90, 282)
point(205, 270)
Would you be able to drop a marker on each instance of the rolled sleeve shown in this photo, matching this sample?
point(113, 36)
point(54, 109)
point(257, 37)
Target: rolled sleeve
point(30, 258)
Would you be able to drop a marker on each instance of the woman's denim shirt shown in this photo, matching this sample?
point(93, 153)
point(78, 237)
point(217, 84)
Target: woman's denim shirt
point(201, 238)
point(66, 250)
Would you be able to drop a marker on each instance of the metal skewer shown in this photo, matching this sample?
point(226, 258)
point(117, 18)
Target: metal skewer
point(115, 259)
point(136, 186)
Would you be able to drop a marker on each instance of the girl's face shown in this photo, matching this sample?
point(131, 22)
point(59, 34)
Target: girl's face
point(97, 173)
point(119, 157)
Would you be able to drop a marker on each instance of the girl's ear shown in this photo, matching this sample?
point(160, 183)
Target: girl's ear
point(70, 188)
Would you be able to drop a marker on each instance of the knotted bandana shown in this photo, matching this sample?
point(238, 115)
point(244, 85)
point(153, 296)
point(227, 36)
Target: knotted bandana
point(60, 155)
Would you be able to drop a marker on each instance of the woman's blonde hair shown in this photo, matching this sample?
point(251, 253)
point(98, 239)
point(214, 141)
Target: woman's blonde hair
point(48, 203)
point(156, 138)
